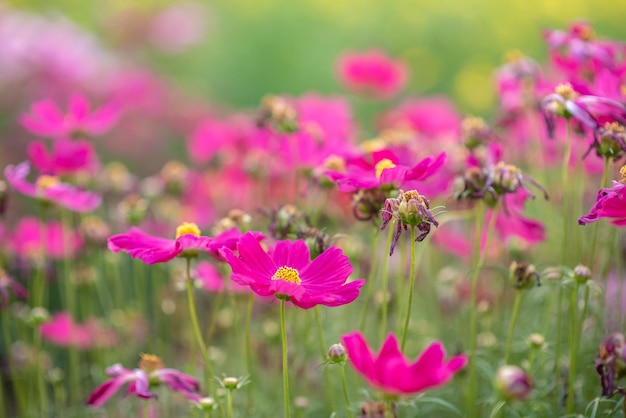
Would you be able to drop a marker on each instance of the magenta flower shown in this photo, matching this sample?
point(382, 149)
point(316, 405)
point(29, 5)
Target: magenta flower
point(61, 330)
point(213, 281)
point(152, 249)
point(51, 189)
point(7, 283)
point(390, 372)
point(47, 120)
point(65, 157)
point(372, 72)
point(610, 203)
point(150, 373)
point(384, 170)
point(287, 272)
point(31, 240)
point(228, 239)
point(433, 117)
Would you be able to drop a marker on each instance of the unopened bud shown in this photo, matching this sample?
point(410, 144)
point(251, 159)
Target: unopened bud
point(38, 315)
point(582, 274)
point(536, 340)
point(206, 404)
point(513, 384)
point(337, 353)
point(230, 383)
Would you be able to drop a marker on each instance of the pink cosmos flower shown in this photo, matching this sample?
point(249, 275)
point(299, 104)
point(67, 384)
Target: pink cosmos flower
point(433, 117)
point(152, 249)
point(47, 120)
point(610, 203)
point(390, 372)
point(372, 72)
point(51, 189)
point(150, 373)
point(61, 330)
point(7, 283)
point(384, 170)
point(65, 157)
point(30, 239)
point(213, 281)
point(287, 272)
point(228, 239)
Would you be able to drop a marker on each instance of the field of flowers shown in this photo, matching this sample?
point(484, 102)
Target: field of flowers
point(263, 247)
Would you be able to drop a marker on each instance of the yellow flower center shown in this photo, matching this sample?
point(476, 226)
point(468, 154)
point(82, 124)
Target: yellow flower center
point(566, 91)
point(288, 274)
point(150, 363)
point(586, 33)
point(381, 165)
point(44, 182)
point(335, 163)
point(373, 145)
point(622, 172)
point(187, 228)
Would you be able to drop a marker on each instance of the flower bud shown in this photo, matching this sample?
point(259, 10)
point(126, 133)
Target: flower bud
point(133, 209)
point(230, 383)
point(582, 274)
point(523, 275)
point(174, 175)
point(536, 340)
point(38, 315)
point(337, 353)
point(206, 404)
point(512, 383)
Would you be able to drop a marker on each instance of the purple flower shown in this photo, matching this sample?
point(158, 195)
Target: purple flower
point(152, 249)
point(150, 373)
point(287, 272)
point(51, 189)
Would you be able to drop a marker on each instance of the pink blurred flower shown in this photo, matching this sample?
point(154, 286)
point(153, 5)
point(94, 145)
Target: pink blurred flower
point(51, 189)
point(150, 249)
point(30, 239)
point(383, 170)
point(287, 272)
point(390, 372)
point(228, 239)
point(213, 281)
point(610, 203)
point(7, 283)
point(209, 138)
point(47, 120)
point(61, 330)
point(372, 72)
point(432, 117)
point(150, 373)
point(179, 26)
point(65, 157)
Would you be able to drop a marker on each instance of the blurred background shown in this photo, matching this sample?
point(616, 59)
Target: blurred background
point(236, 51)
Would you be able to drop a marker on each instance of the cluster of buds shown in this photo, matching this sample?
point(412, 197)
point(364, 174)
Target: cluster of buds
point(287, 222)
point(523, 275)
point(174, 175)
point(409, 209)
point(133, 209)
point(490, 183)
point(278, 113)
point(235, 218)
point(611, 362)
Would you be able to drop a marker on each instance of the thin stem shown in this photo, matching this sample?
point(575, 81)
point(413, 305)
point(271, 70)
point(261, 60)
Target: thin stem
point(369, 284)
point(573, 349)
point(346, 395)
point(17, 387)
point(320, 338)
point(385, 285)
point(41, 385)
point(249, 347)
point(479, 259)
point(196, 328)
point(509, 338)
point(283, 333)
point(497, 408)
point(411, 286)
point(596, 225)
point(230, 403)
point(146, 409)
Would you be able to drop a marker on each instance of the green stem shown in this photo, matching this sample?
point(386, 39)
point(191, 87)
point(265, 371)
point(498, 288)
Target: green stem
point(596, 225)
point(369, 284)
point(346, 395)
point(283, 333)
point(41, 385)
point(385, 285)
point(320, 338)
point(229, 401)
point(146, 409)
point(573, 347)
point(208, 381)
point(411, 286)
point(17, 387)
point(509, 338)
point(497, 408)
point(479, 259)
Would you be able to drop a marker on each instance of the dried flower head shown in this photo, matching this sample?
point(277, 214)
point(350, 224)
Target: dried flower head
point(278, 113)
point(523, 275)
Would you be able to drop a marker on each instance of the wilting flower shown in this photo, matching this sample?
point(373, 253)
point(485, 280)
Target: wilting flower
point(61, 330)
point(6, 284)
point(51, 189)
point(590, 111)
point(611, 362)
point(150, 373)
point(372, 72)
point(610, 203)
point(152, 249)
point(287, 272)
point(390, 372)
point(47, 120)
point(409, 209)
point(66, 157)
point(609, 141)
